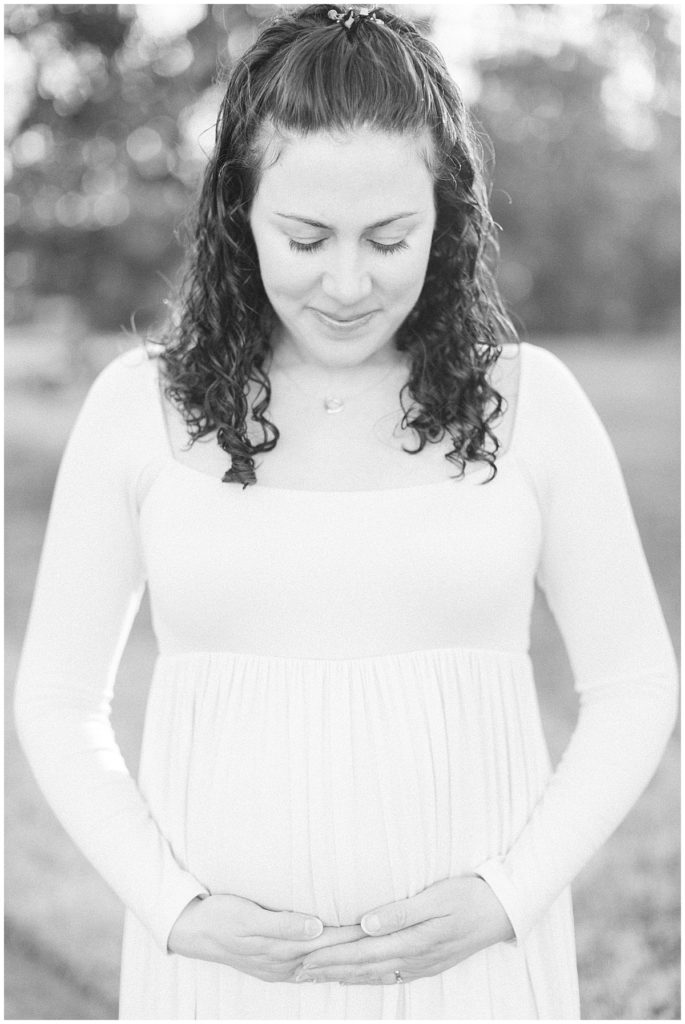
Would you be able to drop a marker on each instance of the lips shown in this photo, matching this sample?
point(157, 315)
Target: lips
point(343, 319)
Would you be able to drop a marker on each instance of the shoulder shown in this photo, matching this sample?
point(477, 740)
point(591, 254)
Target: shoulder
point(541, 363)
point(547, 383)
point(554, 413)
point(517, 358)
point(127, 378)
point(537, 388)
point(122, 407)
point(126, 391)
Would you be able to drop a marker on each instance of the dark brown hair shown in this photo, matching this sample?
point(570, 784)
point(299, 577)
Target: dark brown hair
point(308, 73)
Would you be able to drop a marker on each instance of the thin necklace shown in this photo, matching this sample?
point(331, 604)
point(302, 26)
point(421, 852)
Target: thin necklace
point(333, 403)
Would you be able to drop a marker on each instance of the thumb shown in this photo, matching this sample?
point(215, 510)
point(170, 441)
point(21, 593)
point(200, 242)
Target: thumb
point(283, 924)
point(395, 916)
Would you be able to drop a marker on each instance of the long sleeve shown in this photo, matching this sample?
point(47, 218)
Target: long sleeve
point(90, 583)
point(594, 574)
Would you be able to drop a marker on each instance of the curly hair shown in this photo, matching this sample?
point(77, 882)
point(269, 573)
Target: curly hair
point(307, 74)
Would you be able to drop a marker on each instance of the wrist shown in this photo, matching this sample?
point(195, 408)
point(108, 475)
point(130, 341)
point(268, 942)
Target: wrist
point(184, 927)
point(499, 923)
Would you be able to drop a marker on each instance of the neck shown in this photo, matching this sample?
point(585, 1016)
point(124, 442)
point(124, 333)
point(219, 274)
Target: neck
point(291, 360)
point(340, 389)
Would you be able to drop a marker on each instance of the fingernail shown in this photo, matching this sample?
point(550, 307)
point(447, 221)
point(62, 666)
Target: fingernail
point(302, 976)
point(313, 928)
point(370, 923)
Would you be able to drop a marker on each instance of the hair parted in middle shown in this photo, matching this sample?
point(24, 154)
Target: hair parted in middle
point(309, 72)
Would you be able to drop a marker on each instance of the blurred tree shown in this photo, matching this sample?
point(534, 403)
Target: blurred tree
point(110, 112)
point(588, 175)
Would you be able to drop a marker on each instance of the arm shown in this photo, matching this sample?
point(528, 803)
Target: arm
point(90, 583)
point(596, 580)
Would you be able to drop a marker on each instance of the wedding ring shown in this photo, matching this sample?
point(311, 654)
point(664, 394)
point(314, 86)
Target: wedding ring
point(399, 980)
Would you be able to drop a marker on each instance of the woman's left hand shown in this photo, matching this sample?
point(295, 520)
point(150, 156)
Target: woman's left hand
point(419, 937)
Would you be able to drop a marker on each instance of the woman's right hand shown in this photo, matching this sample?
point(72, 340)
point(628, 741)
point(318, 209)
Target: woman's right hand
point(267, 944)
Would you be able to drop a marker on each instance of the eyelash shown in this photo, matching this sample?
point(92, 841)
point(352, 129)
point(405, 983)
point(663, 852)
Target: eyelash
point(313, 246)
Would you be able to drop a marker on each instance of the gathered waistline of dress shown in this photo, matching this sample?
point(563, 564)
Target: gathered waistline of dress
point(429, 653)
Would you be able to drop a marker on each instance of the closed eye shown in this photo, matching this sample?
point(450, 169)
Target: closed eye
point(390, 247)
point(378, 246)
point(306, 246)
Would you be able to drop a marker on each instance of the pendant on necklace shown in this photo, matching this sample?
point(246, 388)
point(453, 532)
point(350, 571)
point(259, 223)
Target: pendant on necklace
point(332, 405)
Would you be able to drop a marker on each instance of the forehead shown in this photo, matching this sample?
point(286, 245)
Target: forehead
point(356, 175)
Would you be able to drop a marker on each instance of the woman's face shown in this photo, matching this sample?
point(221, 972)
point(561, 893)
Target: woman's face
point(343, 227)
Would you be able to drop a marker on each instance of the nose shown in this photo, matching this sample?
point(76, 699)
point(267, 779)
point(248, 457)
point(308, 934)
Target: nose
point(346, 279)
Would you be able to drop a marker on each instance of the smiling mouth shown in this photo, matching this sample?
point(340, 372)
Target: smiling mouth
point(344, 320)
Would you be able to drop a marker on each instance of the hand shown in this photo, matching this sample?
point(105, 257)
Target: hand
point(267, 944)
point(419, 937)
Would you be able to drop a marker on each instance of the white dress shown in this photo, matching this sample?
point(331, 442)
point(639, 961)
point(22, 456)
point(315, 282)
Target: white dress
point(343, 709)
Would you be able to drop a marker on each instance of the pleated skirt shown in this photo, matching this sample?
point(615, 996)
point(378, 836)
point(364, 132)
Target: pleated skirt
point(332, 788)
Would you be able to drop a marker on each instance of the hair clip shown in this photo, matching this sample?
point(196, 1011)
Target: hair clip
point(352, 17)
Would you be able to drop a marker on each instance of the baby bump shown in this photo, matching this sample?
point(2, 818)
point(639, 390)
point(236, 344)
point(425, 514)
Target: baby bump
point(309, 812)
point(327, 788)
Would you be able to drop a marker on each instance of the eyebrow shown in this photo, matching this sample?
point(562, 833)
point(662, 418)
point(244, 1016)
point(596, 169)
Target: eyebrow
point(371, 227)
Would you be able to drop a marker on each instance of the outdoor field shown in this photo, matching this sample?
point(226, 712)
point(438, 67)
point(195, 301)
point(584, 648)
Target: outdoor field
point(63, 926)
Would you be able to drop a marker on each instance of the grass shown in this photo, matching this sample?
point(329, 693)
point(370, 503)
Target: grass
point(63, 926)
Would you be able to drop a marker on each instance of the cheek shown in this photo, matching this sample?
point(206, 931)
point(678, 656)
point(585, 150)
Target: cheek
point(405, 281)
point(283, 276)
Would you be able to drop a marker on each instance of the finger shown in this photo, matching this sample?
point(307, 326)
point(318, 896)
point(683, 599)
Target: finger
point(331, 936)
point(283, 924)
point(349, 974)
point(393, 917)
point(364, 951)
point(335, 936)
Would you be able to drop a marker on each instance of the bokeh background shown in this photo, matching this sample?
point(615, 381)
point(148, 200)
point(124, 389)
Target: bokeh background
point(109, 113)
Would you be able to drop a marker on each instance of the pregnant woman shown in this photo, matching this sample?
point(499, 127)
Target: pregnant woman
point(340, 479)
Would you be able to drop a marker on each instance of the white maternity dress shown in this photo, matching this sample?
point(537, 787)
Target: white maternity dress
point(343, 709)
